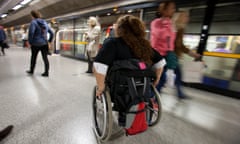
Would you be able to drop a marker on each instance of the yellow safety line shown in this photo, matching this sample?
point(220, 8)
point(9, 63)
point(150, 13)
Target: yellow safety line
point(215, 54)
point(71, 42)
point(81, 42)
point(225, 55)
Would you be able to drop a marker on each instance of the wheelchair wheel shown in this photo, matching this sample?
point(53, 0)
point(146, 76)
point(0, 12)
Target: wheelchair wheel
point(154, 108)
point(102, 115)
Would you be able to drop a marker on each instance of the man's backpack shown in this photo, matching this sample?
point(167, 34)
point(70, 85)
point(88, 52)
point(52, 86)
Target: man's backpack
point(129, 83)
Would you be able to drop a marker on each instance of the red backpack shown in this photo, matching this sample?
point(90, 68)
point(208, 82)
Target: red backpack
point(136, 119)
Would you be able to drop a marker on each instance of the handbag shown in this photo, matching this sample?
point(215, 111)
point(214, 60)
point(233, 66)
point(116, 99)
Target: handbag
point(193, 71)
point(172, 60)
point(5, 45)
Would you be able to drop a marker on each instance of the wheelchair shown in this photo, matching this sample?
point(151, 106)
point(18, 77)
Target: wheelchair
point(103, 113)
point(124, 84)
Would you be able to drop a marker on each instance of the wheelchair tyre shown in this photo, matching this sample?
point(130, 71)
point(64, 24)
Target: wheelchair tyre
point(102, 115)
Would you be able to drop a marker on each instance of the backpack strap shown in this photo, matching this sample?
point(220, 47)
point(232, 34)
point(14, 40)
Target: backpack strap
point(132, 89)
point(135, 94)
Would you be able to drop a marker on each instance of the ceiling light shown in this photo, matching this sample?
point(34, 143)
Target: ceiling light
point(17, 7)
point(115, 9)
point(108, 14)
point(3, 15)
point(25, 2)
point(130, 11)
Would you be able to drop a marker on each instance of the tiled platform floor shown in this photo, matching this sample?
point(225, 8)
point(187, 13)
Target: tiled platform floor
point(57, 110)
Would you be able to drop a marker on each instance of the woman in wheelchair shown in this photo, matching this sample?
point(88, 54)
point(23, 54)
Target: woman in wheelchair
point(130, 43)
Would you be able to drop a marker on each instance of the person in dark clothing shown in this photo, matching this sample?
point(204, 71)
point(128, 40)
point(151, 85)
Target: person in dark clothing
point(129, 43)
point(5, 132)
point(37, 37)
point(112, 31)
point(24, 39)
point(2, 39)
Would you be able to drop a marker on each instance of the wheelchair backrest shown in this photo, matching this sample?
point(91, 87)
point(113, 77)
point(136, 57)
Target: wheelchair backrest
point(129, 82)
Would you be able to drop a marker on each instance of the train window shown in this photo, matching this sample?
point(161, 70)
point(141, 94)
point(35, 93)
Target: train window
point(224, 44)
point(149, 15)
point(81, 23)
point(68, 24)
point(196, 17)
point(224, 34)
point(226, 19)
point(191, 41)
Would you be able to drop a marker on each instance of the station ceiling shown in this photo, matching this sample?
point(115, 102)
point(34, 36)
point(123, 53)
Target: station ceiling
point(55, 8)
point(48, 9)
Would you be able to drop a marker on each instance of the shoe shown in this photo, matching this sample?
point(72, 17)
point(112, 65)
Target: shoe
point(184, 98)
point(154, 104)
point(5, 132)
point(89, 72)
point(29, 72)
point(45, 74)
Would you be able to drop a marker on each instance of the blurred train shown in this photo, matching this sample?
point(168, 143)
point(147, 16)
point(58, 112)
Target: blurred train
point(222, 50)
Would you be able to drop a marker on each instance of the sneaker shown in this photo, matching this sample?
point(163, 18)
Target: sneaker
point(89, 72)
point(45, 74)
point(184, 97)
point(154, 104)
point(5, 132)
point(29, 72)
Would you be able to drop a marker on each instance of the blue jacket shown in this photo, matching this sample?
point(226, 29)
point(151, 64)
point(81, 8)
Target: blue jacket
point(2, 34)
point(37, 34)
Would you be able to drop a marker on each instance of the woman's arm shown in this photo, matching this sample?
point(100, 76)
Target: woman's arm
point(194, 55)
point(51, 34)
point(158, 76)
point(100, 83)
point(100, 71)
point(158, 67)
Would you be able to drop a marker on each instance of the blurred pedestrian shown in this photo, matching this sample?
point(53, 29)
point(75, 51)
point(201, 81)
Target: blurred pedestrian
point(112, 31)
point(24, 39)
point(93, 38)
point(37, 37)
point(163, 35)
point(180, 20)
point(3, 39)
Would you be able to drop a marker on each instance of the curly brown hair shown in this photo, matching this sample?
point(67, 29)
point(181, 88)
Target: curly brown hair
point(132, 30)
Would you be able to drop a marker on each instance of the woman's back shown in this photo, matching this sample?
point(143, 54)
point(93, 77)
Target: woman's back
point(114, 49)
point(130, 43)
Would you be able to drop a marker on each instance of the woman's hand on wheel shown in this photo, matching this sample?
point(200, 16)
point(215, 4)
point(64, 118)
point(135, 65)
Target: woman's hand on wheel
point(99, 93)
point(156, 81)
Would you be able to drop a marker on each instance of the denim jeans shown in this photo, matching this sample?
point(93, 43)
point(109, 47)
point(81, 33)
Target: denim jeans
point(178, 81)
